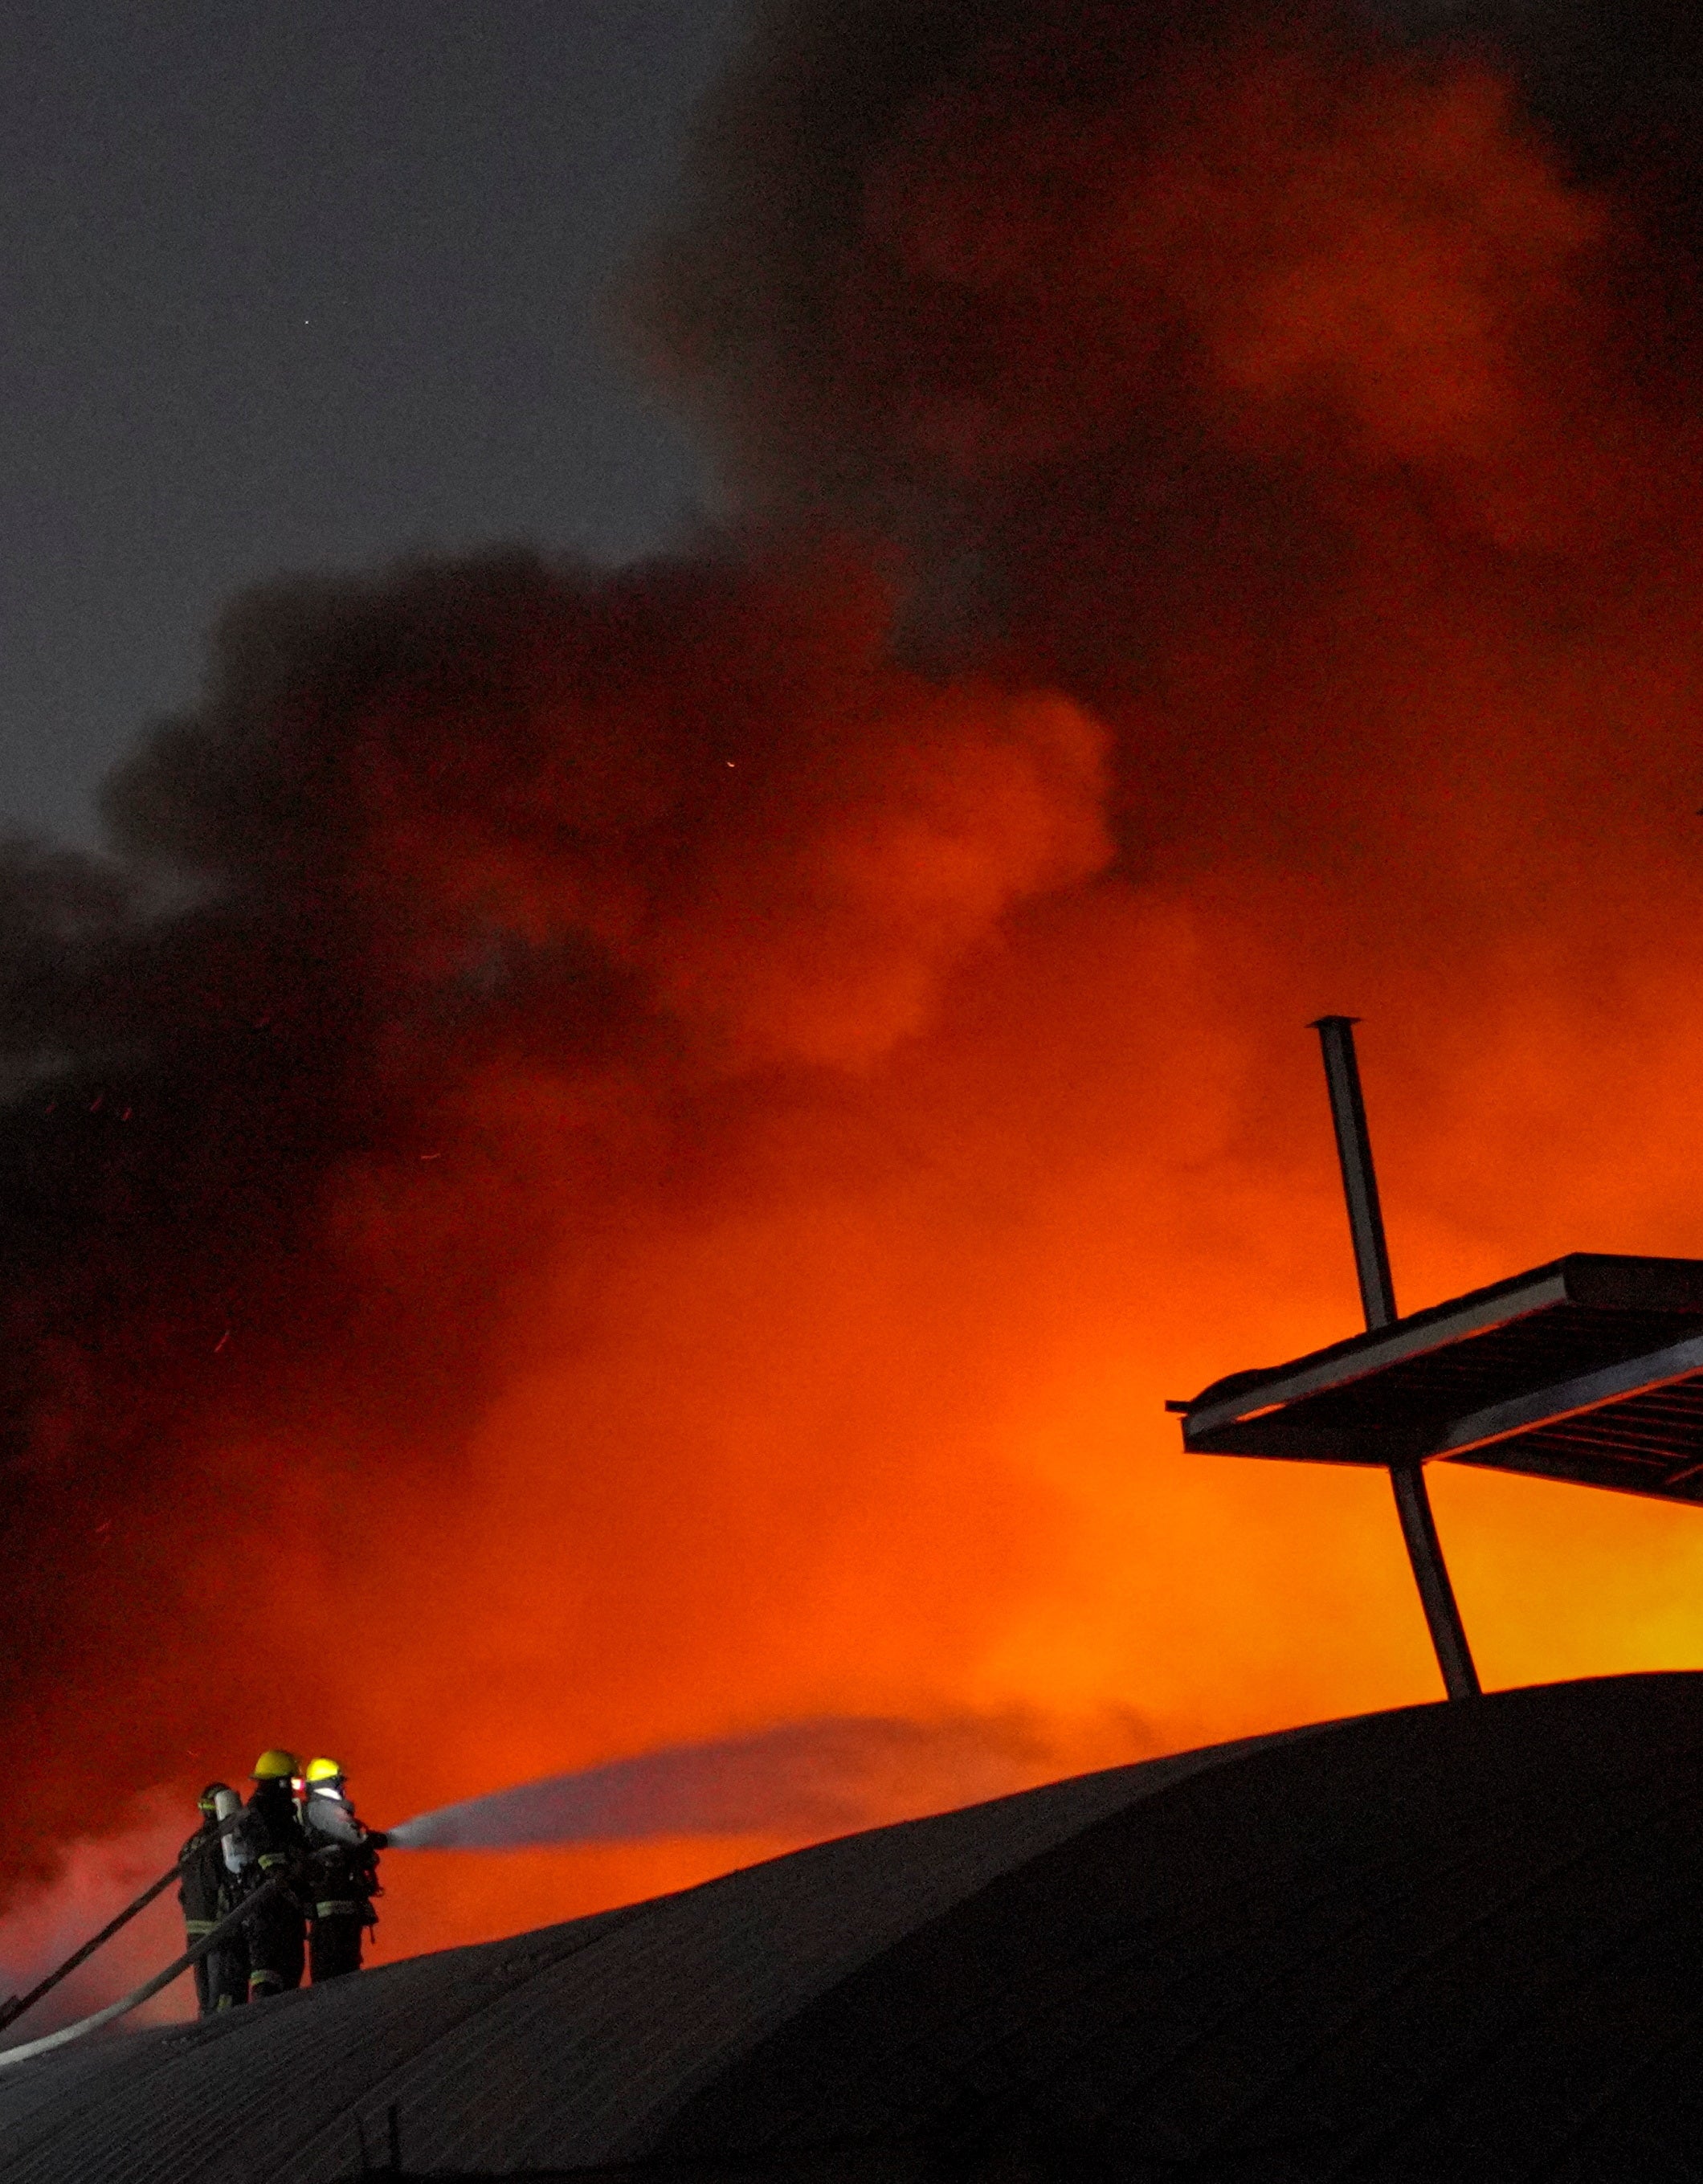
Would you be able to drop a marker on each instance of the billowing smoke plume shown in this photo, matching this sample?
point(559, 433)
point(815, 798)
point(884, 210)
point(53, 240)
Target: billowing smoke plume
point(459, 927)
point(1212, 358)
point(613, 1163)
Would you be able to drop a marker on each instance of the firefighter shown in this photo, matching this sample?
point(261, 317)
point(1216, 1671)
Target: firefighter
point(343, 1863)
point(208, 1892)
point(270, 1844)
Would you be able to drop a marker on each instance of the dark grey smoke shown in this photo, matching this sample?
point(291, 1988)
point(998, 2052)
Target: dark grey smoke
point(806, 1777)
point(275, 1186)
point(650, 840)
point(759, 313)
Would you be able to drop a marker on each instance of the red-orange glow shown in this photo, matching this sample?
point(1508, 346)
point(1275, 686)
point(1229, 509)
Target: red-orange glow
point(819, 1112)
point(886, 1432)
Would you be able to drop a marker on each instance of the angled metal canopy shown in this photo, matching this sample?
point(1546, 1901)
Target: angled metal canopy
point(1590, 1369)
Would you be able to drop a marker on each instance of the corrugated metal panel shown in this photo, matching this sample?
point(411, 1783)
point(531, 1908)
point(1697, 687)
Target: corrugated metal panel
point(1460, 1941)
point(553, 2048)
point(1442, 1944)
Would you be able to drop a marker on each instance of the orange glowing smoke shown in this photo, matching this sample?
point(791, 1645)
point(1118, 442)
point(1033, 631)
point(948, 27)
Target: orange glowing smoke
point(746, 1135)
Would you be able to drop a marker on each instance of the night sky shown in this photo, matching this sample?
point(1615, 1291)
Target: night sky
point(309, 288)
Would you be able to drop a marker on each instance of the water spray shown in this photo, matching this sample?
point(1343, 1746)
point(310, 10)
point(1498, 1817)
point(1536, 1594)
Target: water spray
point(808, 1779)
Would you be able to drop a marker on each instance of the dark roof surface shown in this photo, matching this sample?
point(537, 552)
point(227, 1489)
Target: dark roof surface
point(1589, 1369)
point(552, 2048)
point(1460, 1943)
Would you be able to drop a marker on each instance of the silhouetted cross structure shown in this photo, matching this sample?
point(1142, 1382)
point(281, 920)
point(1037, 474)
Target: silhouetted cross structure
point(1377, 1301)
point(1589, 1369)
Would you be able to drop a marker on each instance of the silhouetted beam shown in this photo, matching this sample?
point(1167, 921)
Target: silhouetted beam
point(1377, 1300)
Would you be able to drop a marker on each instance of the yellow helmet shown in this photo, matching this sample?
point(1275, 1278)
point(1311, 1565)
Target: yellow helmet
point(275, 1765)
point(324, 1770)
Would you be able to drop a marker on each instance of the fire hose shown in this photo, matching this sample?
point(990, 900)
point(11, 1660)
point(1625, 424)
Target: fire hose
point(806, 1777)
point(19, 2004)
point(226, 1925)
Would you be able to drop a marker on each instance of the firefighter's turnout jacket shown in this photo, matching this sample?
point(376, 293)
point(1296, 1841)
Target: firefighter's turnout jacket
point(268, 1843)
point(343, 1862)
point(208, 1891)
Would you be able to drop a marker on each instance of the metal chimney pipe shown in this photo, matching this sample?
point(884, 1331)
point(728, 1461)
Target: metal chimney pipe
point(1378, 1300)
point(1359, 1178)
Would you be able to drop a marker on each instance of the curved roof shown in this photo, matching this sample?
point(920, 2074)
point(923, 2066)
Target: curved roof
point(1453, 1941)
